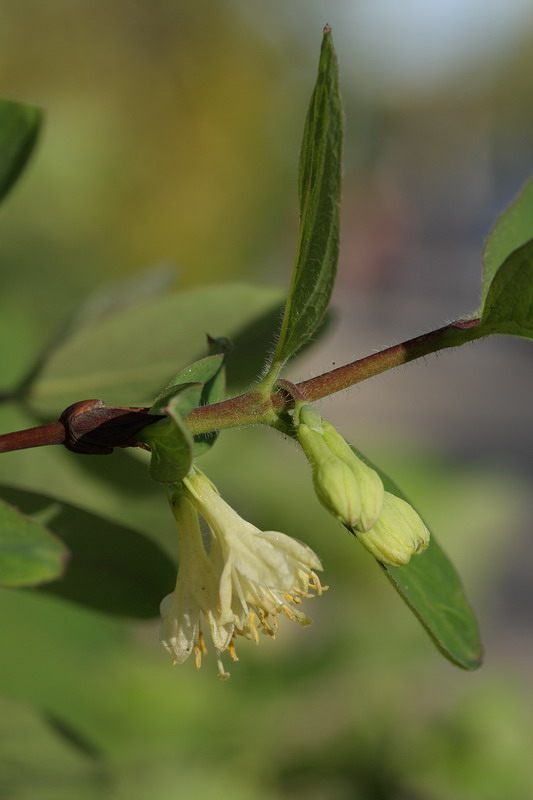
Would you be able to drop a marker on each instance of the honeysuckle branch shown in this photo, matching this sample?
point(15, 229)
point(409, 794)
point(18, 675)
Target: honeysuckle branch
point(452, 335)
point(244, 409)
point(91, 427)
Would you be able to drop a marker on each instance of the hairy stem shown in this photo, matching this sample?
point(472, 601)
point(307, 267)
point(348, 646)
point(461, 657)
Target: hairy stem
point(452, 335)
point(240, 410)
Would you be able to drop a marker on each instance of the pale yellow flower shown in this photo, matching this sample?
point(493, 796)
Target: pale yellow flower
point(196, 595)
point(242, 584)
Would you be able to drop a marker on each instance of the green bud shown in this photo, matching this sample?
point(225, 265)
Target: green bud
point(370, 484)
point(309, 416)
point(347, 488)
point(398, 534)
point(335, 484)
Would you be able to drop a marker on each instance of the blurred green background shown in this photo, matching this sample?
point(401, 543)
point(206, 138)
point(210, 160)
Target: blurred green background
point(172, 136)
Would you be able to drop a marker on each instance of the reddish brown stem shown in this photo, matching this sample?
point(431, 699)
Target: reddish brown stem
point(53, 433)
point(452, 335)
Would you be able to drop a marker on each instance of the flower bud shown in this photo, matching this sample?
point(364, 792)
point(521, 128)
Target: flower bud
point(347, 488)
point(398, 534)
point(370, 484)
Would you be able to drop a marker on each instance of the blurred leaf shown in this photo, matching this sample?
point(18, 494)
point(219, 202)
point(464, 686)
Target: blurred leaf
point(319, 189)
point(111, 298)
point(127, 358)
point(72, 736)
point(29, 554)
point(19, 128)
point(112, 568)
point(104, 302)
point(37, 762)
point(508, 306)
point(512, 229)
point(431, 587)
point(169, 440)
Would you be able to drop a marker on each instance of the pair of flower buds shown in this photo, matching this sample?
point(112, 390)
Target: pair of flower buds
point(387, 526)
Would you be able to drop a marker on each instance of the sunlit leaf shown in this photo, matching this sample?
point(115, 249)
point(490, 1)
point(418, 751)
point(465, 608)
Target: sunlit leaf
point(201, 371)
point(432, 589)
point(512, 230)
point(19, 128)
point(29, 553)
point(508, 306)
point(319, 186)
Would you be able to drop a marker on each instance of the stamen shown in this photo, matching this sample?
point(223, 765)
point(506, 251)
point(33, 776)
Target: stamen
point(317, 586)
point(222, 674)
point(197, 656)
point(263, 620)
point(292, 598)
point(231, 650)
point(199, 650)
point(252, 628)
point(289, 613)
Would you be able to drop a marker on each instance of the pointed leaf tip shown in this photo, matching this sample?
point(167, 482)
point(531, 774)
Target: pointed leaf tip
point(319, 191)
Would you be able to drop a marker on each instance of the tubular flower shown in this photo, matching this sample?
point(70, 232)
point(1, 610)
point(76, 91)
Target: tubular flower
point(196, 595)
point(242, 584)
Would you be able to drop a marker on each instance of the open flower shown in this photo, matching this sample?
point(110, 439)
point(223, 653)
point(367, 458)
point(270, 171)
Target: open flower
point(246, 579)
point(196, 595)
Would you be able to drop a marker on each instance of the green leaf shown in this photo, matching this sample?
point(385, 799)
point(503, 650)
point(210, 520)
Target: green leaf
point(432, 589)
point(201, 372)
point(29, 553)
point(319, 188)
point(169, 440)
point(19, 128)
point(112, 568)
point(214, 390)
point(512, 230)
point(126, 358)
point(104, 302)
point(508, 306)
point(210, 373)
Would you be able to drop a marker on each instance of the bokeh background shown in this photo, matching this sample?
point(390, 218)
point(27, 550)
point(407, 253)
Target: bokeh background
point(172, 133)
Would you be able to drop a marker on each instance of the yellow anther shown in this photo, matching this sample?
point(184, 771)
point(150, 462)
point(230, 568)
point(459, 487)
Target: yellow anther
point(197, 656)
point(288, 613)
point(252, 628)
point(293, 598)
point(317, 586)
point(263, 620)
point(231, 650)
